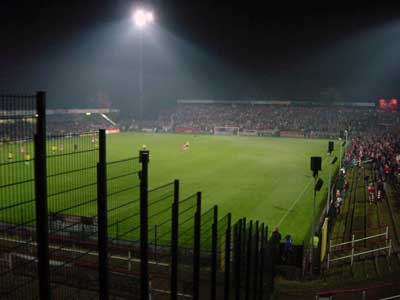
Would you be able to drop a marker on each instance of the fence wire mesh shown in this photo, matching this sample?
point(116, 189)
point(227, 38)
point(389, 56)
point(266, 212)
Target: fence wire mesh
point(159, 210)
point(123, 200)
point(207, 219)
point(221, 242)
point(72, 204)
point(18, 269)
point(187, 209)
point(123, 186)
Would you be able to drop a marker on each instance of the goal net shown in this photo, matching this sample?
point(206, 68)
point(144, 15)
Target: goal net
point(226, 130)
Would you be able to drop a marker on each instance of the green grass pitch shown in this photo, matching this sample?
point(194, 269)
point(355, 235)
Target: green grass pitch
point(265, 179)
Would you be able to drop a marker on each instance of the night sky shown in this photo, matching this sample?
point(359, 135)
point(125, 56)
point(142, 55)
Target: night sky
point(85, 53)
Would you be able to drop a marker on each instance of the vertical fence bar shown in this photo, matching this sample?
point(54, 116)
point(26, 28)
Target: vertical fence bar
point(262, 258)
point(196, 249)
point(129, 261)
point(352, 249)
point(155, 242)
point(256, 262)
point(144, 270)
point(102, 217)
point(174, 242)
point(243, 249)
point(237, 257)
point(42, 225)
point(248, 260)
point(387, 235)
point(214, 246)
point(117, 231)
point(227, 258)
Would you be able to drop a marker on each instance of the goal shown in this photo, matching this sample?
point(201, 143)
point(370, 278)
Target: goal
point(226, 130)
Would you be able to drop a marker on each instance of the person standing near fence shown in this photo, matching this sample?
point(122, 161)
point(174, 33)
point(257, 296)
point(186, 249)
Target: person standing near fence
point(371, 193)
point(380, 191)
point(339, 201)
point(346, 188)
point(275, 242)
point(287, 248)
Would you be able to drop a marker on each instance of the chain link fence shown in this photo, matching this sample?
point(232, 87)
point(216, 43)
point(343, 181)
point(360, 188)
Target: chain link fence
point(75, 226)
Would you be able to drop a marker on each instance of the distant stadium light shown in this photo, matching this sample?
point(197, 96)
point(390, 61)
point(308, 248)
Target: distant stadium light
point(143, 17)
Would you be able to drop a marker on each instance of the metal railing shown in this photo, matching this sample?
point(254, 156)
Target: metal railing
point(387, 247)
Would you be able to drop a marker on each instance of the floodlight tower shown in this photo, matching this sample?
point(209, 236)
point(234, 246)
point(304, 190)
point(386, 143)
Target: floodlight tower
point(142, 18)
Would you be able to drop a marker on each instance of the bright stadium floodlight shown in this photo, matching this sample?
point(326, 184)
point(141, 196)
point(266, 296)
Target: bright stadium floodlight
point(143, 17)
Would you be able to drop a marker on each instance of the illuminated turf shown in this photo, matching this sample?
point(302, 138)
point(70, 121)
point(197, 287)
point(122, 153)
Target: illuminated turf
point(265, 179)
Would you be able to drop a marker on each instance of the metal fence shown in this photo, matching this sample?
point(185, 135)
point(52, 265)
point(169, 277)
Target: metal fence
point(72, 210)
point(75, 226)
point(18, 272)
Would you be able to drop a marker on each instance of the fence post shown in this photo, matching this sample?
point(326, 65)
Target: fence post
point(243, 250)
point(102, 217)
point(117, 231)
point(174, 242)
point(262, 253)
point(129, 261)
point(329, 251)
point(387, 235)
point(248, 264)
point(227, 257)
point(327, 262)
point(42, 225)
point(237, 254)
point(256, 265)
point(352, 249)
point(390, 247)
point(196, 249)
point(214, 246)
point(144, 270)
point(155, 242)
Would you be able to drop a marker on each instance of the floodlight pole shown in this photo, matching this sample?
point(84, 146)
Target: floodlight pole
point(329, 190)
point(141, 76)
point(330, 185)
point(313, 225)
point(142, 18)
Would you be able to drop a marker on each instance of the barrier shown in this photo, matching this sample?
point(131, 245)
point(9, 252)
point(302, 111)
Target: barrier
point(387, 247)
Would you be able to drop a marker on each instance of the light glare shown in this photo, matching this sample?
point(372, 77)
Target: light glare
point(143, 17)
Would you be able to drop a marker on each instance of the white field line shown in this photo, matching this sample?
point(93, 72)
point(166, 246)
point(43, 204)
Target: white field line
point(297, 199)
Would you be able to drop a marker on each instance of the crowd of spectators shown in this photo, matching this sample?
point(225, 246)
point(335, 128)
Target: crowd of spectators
point(21, 129)
point(205, 117)
point(382, 150)
point(379, 149)
point(280, 117)
point(72, 124)
point(16, 130)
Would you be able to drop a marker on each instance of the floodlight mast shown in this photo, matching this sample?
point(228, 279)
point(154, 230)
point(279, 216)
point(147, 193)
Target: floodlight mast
point(142, 18)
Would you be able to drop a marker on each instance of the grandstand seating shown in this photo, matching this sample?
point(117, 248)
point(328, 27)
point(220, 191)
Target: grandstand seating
point(363, 219)
point(311, 119)
point(62, 124)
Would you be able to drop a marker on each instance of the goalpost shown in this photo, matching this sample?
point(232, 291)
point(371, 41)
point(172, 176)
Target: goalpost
point(226, 130)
